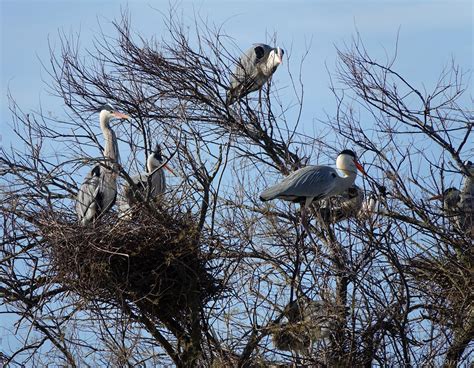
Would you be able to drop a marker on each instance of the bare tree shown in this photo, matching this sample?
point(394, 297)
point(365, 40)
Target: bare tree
point(210, 276)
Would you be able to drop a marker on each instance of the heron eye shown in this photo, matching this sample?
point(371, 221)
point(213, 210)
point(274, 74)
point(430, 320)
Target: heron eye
point(282, 52)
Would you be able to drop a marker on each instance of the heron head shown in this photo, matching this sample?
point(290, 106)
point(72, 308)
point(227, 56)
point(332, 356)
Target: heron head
point(347, 161)
point(448, 195)
point(274, 58)
point(156, 159)
point(157, 153)
point(96, 171)
point(108, 112)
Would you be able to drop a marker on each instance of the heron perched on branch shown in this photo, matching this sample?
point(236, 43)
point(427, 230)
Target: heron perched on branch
point(254, 69)
point(312, 183)
point(98, 192)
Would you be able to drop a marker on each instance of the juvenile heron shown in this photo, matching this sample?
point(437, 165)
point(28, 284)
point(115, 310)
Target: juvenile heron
point(458, 205)
point(341, 207)
point(154, 177)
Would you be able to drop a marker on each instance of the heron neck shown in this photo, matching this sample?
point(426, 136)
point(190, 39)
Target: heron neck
point(270, 64)
point(348, 174)
point(468, 187)
point(346, 179)
point(110, 147)
point(152, 163)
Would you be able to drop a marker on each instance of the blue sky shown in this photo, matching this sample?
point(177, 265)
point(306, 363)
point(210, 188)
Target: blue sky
point(431, 33)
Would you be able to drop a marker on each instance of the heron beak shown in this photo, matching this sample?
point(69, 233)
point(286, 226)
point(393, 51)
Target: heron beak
point(439, 196)
point(360, 168)
point(169, 169)
point(120, 115)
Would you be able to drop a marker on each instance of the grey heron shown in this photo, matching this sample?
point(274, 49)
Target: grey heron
point(155, 177)
point(458, 205)
point(467, 200)
point(254, 69)
point(98, 192)
point(467, 191)
point(316, 182)
point(341, 207)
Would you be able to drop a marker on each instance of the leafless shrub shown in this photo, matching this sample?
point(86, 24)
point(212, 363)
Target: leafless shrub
point(204, 278)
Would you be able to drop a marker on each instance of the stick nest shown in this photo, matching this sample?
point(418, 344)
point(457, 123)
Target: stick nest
point(447, 282)
point(154, 260)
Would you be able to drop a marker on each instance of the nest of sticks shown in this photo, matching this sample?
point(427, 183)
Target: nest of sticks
point(153, 259)
point(308, 321)
point(447, 282)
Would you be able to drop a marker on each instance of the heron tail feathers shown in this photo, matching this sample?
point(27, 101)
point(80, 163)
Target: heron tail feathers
point(269, 194)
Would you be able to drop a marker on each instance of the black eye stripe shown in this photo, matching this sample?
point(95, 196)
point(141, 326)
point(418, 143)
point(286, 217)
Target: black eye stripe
point(107, 107)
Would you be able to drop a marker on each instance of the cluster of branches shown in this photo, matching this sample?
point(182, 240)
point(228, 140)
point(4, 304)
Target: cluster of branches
point(396, 286)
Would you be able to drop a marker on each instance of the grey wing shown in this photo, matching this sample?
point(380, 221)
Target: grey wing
point(107, 191)
point(158, 182)
point(309, 181)
point(158, 185)
point(140, 181)
point(466, 214)
point(86, 206)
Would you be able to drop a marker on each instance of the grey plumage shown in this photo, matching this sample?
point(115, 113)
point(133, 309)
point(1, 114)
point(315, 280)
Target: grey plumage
point(308, 321)
point(98, 192)
point(467, 190)
point(466, 201)
point(316, 182)
point(88, 198)
point(155, 176)
point(96, 195)
point(458, 205)
point(452, 206)
point(254, 69)
point(303, 183)
point(341, 207)
point(370, 206)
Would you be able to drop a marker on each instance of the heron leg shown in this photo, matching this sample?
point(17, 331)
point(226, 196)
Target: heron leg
point(304, 221)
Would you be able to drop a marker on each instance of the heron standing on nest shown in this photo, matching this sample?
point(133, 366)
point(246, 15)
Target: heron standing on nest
point(458, 205)
point(98, 192)
point(151, 183)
